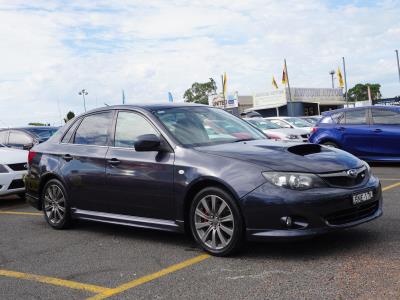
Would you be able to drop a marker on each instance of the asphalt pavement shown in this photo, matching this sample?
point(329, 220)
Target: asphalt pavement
point(100, 261)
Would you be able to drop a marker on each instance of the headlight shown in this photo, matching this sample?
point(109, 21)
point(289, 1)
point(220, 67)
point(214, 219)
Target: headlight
point(368, 167)
point(292, 137)
point(294, 181)
point(3, 169)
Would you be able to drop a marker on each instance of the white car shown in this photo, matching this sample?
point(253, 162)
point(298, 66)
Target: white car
point(274, 131)
point(13, 166)
point(292, 122)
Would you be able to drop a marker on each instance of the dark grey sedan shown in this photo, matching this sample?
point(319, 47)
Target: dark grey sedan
point(180, 167)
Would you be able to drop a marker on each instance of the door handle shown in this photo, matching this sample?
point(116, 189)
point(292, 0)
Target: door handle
point(113, 161)
point(340, 128)
point(377, 130)
point(67, 157)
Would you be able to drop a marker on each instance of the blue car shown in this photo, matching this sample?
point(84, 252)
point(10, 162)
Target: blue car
point(371, 133)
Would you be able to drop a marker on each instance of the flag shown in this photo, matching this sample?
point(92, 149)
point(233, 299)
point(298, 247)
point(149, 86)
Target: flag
point(123, 97)
point(170, 98)
point(224, 85)
point(274, 84)
point(284, 76)
point(340, 78)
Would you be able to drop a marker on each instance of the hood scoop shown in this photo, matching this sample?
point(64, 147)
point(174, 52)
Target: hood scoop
point(305, 149)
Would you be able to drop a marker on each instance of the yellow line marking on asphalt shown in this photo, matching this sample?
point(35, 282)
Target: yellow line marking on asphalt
point(391, 186)
point(147, 278)
point(54, 281)
point(7, 212)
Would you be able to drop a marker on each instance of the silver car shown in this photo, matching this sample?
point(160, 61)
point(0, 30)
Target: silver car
point(274, 131)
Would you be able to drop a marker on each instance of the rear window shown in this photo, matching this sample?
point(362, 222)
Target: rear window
point(384, 116)
point(93, 130)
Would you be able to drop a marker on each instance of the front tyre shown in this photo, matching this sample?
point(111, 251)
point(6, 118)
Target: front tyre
point(55, 205)
point(216, 222)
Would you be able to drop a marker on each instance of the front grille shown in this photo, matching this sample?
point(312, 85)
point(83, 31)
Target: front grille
point(19, 167)
point(16, 184)
point(305, 136)
point(342, 179)
point(353, 214)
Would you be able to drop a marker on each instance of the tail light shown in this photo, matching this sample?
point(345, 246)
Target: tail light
point(31, 156)
point(314, 129)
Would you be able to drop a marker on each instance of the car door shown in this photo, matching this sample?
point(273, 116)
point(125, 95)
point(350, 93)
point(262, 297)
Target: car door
point(82, 160)
point(20, 140)
point(385, 129)
point(138, 183)
point(355, 132)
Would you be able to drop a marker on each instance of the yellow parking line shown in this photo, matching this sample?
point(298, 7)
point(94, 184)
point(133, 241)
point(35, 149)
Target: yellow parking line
point(6, 212)
point(391, 186)
point(54, 281)
point(147, 278)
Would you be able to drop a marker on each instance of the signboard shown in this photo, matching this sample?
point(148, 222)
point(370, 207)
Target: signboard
point(280, 98)
point(231, 101)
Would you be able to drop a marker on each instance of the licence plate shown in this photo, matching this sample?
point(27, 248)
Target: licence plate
point(362, 197)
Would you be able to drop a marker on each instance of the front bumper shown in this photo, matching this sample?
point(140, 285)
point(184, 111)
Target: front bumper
point(11, 183)
point(313, 212)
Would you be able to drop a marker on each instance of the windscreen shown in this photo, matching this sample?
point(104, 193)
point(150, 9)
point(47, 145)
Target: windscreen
point(201, 126)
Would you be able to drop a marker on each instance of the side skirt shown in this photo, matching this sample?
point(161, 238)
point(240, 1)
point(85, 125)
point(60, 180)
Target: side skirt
point(140, 222)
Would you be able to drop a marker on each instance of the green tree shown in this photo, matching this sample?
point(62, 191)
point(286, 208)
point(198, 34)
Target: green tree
point(360, 92)
point(70, 116)
point(199, 92)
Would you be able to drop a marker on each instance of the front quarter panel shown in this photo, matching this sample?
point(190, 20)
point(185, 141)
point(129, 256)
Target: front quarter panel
point(193, 167)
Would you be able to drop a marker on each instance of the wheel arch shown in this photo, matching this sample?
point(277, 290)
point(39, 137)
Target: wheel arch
point(44, 179)
point(200, 184)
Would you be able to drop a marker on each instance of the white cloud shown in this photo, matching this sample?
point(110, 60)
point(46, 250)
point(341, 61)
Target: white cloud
point(50, 50)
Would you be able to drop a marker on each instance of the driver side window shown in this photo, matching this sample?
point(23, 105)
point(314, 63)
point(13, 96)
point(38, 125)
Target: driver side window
point(129, 127)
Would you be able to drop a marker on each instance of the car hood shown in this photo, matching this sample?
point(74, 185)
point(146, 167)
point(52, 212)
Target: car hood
point(12, 156)
point(286, 156)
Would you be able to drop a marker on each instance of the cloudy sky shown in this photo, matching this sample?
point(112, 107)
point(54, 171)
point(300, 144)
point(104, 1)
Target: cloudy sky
point(52, 49)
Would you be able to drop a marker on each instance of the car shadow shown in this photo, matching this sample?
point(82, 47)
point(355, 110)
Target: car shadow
point(332, 244)
point(9, 202)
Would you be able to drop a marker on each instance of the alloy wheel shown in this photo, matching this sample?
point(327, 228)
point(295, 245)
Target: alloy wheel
point(214, 222)
point(54, 204)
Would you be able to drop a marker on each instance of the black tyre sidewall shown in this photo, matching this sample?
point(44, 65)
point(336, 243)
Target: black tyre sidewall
point(66, 222)
point(237, 239)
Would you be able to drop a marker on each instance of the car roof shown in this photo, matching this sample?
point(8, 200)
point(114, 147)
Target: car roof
point(148, 106)
point(331, 112)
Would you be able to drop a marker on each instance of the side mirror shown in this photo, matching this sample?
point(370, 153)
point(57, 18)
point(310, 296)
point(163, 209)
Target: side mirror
point(148, 142)
point(28, 146)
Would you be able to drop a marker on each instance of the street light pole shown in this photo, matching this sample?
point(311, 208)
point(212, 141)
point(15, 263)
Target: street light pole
point(83, 93)
point(332, 72)
point(398, 65)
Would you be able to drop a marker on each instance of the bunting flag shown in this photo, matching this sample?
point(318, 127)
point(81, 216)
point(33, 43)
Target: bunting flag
point(284, 76)
point(224, 84)
point(170, 98)
point(274, 84)
point(340, 78)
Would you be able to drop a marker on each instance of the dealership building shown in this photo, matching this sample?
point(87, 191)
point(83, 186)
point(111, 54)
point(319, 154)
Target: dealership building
point(301, 102)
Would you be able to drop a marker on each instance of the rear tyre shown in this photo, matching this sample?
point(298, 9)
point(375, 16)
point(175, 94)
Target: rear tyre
point(331, 144)
point(55, 205)
point(216, 222)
